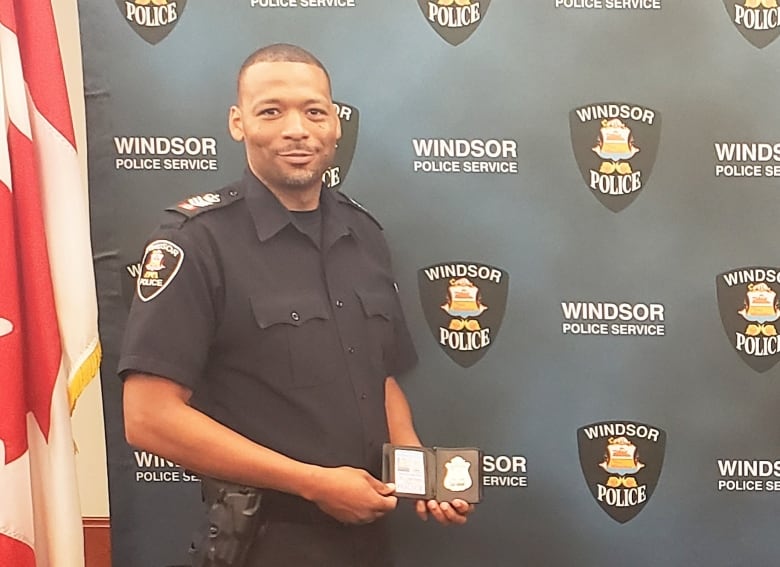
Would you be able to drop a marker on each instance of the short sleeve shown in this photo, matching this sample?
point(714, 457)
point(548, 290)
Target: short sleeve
point(171, 323)
point(402, 357)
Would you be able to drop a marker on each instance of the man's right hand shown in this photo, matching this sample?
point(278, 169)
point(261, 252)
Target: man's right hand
point(352, 495)
point(159, 419)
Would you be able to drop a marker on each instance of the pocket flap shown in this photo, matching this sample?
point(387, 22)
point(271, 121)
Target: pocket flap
point(376, 303)
point(295, 310)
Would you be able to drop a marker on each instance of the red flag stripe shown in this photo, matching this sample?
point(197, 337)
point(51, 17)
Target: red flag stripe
point(39, 328)
point(14, 552)
point(8, 15)
point(39, 510)
point(15, 101)
point(36, 325)
point(13, 401)
point(33, 23)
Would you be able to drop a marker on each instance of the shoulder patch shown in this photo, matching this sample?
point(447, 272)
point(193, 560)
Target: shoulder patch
point(346, 199)
point(161, 263)
point(197, 204)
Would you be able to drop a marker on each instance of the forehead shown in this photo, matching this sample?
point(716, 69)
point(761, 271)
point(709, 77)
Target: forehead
point(283, 79)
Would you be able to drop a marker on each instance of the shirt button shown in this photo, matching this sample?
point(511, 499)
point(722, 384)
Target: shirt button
point(363, 396)
point(351, 350)
point(294, 316)
point(339, 303)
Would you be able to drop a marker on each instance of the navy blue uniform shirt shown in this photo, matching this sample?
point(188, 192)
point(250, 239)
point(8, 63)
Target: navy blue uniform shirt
point(283, 339)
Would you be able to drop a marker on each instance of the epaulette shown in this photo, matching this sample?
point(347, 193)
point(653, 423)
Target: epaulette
point(347, 200)
point(204, 202)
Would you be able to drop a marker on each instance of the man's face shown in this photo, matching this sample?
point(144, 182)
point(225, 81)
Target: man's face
point(288, 123)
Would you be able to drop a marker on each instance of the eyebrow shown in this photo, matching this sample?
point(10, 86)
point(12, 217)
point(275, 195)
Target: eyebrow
point(266, 101)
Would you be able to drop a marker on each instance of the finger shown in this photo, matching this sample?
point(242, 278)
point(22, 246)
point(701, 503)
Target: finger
point(389, 503)
point(384, 504)
point(421, 510)
point(451, 514)
point(434, 508)
point(377, 515)
point(462, 507)
point(380, 486)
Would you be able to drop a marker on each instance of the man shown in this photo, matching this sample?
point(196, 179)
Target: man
point(263, 346)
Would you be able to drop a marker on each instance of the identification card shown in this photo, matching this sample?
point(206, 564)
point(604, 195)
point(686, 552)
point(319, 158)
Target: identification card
point(438, 473)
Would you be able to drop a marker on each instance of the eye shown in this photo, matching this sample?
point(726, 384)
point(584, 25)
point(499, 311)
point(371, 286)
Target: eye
point(318, 112)
point(268, 111)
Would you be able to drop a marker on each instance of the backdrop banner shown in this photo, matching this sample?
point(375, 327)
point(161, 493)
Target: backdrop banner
point(596, 177)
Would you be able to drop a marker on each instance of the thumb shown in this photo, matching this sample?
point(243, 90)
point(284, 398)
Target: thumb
point(379, 486)
point(384, 489)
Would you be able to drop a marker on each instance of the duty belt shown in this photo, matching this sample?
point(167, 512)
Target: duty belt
point(280, 507)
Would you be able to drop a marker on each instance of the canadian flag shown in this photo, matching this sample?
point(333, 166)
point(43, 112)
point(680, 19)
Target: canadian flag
point(49, 347)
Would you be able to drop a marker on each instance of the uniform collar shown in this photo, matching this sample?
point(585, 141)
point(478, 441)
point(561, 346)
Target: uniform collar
point(270, 216)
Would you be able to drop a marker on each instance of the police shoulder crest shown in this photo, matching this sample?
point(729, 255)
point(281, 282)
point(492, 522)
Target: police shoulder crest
point(161, 263)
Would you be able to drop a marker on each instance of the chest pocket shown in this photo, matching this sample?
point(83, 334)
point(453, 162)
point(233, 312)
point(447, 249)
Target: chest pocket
point(296, 341)
point(378, 308)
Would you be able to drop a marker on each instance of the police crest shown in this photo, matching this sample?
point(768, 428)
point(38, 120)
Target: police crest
point(757, 20)
point(750, 310)
point(621, 462)
point(349, 116)
point(464, 305)
point(454, 20)
point(153, 20)
point(161, 263)
point(615, 145)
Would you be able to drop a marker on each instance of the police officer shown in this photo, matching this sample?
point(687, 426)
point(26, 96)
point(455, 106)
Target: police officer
point(266, 335)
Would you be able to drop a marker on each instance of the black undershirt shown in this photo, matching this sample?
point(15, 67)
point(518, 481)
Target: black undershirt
point(310, 223)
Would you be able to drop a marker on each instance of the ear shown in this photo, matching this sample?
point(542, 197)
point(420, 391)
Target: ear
point(235, 124)
point(338, 121)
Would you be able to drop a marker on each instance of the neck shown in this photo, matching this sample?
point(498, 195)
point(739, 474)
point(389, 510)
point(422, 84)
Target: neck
point(306, 198)
point(299, 199)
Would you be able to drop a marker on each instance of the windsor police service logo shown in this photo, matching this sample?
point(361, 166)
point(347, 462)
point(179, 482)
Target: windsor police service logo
point(621, 461)
point(153, 20)
point(345, 150)
point(454, 20)
point(757, 20)
point(161, 263)
point(464, 305)
point(615, 145)
point(749, 310)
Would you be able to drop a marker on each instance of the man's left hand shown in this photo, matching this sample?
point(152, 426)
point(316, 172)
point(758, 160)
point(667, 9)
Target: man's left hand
point(455, 512)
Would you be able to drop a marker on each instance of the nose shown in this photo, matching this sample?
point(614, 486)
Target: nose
point(295, 126)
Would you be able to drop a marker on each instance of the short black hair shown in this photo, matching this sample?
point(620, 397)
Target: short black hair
point(281, 53)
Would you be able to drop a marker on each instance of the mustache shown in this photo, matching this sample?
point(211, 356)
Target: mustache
point(297, 148)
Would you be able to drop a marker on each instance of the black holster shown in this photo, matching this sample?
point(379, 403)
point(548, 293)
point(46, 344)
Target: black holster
point(233, 521)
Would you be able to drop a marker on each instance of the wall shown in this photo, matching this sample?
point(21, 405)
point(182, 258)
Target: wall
point(589, 168)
